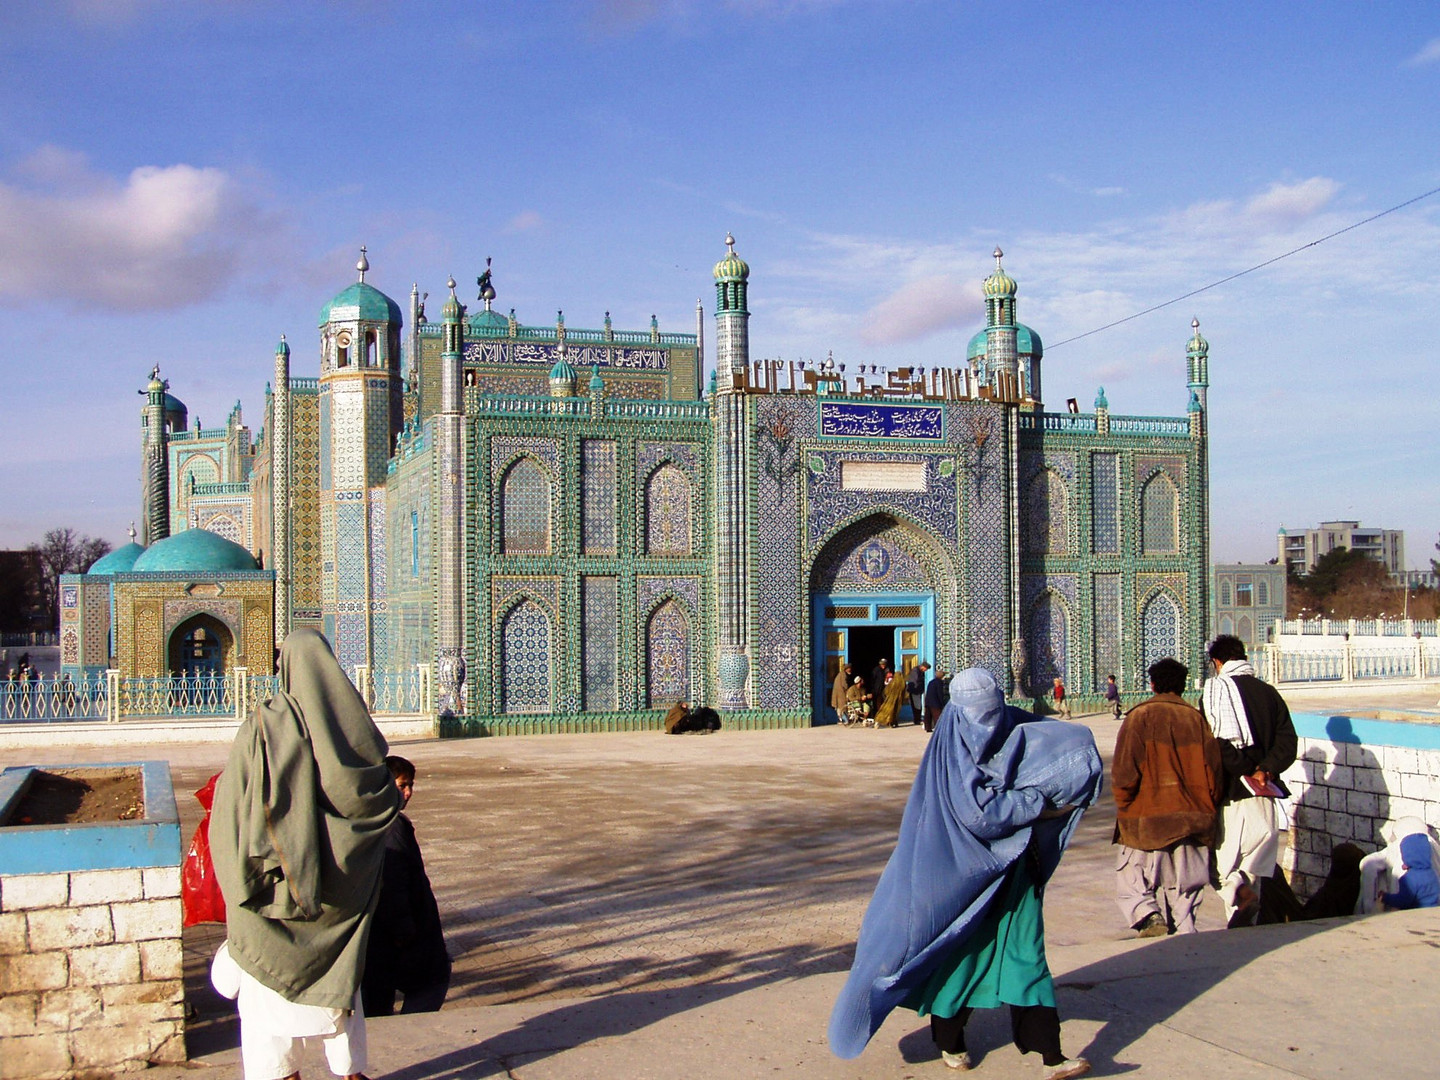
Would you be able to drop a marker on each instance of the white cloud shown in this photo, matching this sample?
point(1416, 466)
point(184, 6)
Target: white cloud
point(166, 237)
point(1429, 53)
point(1289, 203)
point(921, 308)
point(525, 221)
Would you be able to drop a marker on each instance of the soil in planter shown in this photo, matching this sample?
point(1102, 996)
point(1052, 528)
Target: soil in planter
point(81, 796)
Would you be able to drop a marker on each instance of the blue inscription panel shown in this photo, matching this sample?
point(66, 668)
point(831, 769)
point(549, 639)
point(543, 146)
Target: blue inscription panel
point(850, 420)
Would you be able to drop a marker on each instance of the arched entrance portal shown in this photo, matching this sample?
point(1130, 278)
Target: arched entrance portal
point(873, 596)
point(201, 645)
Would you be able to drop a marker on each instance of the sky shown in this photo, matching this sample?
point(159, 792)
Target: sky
point(181, 183)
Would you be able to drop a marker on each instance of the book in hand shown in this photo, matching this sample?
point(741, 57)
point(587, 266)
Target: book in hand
point(1267, 790)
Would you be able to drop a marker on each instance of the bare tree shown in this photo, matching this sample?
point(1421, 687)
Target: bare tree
point(63, 552)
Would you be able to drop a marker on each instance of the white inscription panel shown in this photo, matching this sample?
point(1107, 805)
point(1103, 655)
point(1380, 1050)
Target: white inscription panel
point(882, 476)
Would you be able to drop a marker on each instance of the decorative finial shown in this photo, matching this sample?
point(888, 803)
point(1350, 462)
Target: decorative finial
point(998, 256)
point(132, 532)
point(1195, 324)
point(487, 290)
point(282, 337)
point(364, 264)
point(730, 243)
point(450, 284)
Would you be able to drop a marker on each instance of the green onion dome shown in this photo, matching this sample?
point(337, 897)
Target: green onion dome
point(731, 267)
point(999, 283)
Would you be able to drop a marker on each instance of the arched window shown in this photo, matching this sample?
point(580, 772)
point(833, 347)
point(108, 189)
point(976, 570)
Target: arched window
point(525, 509)
point(1227, 624)
point(371, 350)
point(1262, 593)
point(1224, 594)
point(1159, 631)
point(1245, 630)
point(1047, 641)
point(342, 350)
point(667, 512)
point(1046, 503)
point(1160, 517)
point(525, 660)
point(667, 645)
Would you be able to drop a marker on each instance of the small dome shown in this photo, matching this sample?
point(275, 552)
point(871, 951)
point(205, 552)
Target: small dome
point(195, 550)
point(118, 561)
point(1197, 345)
point(1194, 402)
point(174, 405)
point(361, 301)
point(453, 309)
point(731, 267)
point(597, 384)
point(283, 349)
point(1027, 343)
point(1101, 401)
point(562, 371)
point(999, 283)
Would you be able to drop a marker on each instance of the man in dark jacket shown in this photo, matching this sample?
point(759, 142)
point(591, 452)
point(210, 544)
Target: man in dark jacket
point(1257, 744)
point(1166, 778)
point(936, 696)
point(406, 954)
point(915, 688)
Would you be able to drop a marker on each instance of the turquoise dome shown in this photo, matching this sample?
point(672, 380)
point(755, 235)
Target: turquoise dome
point(197, 551)
point(1027, 343)
point(361, 301)
point(118, 561)
point(489, 322)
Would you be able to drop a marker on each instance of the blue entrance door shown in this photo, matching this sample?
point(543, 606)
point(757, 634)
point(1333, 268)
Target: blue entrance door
point(860, 630)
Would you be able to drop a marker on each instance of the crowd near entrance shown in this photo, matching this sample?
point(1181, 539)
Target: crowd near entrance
point(862, 630)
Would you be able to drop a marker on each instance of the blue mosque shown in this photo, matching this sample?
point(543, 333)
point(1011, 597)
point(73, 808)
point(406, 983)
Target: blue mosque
point(564, 529)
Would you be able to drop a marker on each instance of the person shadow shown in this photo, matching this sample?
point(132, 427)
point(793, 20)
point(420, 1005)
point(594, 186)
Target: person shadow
point(1345, 800)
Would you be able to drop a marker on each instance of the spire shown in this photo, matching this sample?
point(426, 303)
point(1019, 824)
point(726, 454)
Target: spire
point(363, 265)
point(132, 532)
point(282, 349)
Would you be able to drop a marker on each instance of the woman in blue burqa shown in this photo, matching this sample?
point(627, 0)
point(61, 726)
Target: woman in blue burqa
point(955, 923)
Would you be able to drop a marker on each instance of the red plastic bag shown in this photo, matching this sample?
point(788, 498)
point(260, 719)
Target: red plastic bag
point(199, 891)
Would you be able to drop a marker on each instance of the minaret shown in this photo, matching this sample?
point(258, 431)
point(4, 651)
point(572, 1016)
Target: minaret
point(155, 480)
point(1000, 332)
point(280, 499)
point(1197, 364)
point(729, 410)
point(360, 416)
point(450, 520)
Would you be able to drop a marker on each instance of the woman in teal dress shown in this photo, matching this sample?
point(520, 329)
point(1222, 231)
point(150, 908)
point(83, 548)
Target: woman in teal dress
point(956, 922)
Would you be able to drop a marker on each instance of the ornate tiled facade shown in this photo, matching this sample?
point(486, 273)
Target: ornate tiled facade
point(572, 535)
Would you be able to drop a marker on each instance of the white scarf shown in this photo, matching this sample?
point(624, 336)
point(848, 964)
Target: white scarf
point(1223, 707)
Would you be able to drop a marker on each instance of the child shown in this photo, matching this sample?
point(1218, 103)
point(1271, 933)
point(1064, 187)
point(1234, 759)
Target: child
point(1419, 886)
point(406, 953)
point(1112, 695)
point(1062, 707)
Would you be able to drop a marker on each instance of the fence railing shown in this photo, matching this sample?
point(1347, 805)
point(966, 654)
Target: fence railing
point(110, 696)
point(1415, 658)
point(58, 698)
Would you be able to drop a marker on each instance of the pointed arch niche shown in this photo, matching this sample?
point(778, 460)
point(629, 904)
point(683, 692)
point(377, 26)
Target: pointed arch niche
point(525, 509)
point(1160, 516)
point(667, 651)
point(526, 647)
point(668, 512)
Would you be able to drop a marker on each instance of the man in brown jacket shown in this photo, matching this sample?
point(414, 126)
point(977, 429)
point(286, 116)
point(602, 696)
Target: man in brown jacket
point(1166, 777)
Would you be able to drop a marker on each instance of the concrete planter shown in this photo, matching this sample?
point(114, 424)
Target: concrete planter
point(90, 953)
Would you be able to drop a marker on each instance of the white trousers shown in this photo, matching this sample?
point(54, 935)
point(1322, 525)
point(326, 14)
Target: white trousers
point(1247, 847)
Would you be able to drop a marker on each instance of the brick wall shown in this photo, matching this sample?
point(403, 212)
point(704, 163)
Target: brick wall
point(90, 972)
point(1351, 777)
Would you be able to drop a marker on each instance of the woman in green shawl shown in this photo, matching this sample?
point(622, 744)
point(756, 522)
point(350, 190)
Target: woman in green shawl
point(298, 835)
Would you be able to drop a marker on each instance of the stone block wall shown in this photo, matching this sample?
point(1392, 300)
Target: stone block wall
point(90, 972)
point(1351, 778)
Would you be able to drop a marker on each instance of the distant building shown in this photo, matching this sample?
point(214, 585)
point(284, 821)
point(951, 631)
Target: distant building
point(1300, 549)
point(1246, 599)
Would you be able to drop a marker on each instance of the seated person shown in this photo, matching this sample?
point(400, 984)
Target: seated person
point(857, 702)
point(1419, 887)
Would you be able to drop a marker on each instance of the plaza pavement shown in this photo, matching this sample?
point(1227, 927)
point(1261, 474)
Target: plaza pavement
point(637, 905)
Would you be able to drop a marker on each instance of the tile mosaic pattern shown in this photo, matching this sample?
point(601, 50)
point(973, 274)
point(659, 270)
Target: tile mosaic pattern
point(96, 626)
point(876, 554)
point(829, 505)
point(1108, 625)
point(668, 512)
point(525, 509)
point(598, 480)
point(600, 596)
point(1160, 627)
point(1160, 516)
point(667, 648)
point(1048, 641)
point(1105, 503)
point(984, 630)
point(526, 664)
point(650, 590)
point(1045, 514)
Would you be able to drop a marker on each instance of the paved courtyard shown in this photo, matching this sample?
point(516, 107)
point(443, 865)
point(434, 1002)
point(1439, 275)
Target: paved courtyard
point(572, 867)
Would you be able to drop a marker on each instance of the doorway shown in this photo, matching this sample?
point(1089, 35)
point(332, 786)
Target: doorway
point(859, 631)
point(200, 646)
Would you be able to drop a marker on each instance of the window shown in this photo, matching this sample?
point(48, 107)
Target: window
point(1225, 594)
point(1262, 594)
point(1244, 594)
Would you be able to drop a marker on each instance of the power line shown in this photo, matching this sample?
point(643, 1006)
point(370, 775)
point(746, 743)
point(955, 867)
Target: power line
point(1251, 270)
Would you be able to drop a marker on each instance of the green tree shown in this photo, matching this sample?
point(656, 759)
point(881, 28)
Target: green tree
point(63, 551)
